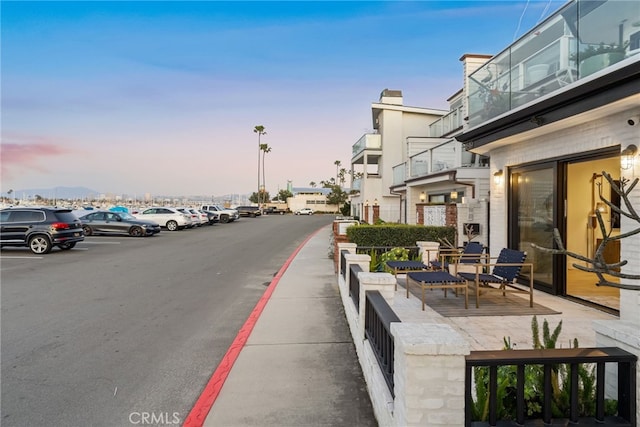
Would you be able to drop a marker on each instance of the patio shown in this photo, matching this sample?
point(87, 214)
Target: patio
point(484, 330)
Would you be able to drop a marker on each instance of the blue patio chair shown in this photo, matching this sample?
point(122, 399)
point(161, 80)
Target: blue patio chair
point(506, 269)
point(471, 254)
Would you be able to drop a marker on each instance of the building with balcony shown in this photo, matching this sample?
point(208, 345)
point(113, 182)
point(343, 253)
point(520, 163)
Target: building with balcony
point(440, 182)
point(375, 155)
point(555, 111)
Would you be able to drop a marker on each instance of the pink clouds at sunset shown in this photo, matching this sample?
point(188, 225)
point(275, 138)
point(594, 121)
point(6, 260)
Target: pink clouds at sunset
point(25, 156)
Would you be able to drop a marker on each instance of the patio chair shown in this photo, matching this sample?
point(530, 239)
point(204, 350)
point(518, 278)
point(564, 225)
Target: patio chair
point(428, 251)
point(506, 269)
point(471, 254)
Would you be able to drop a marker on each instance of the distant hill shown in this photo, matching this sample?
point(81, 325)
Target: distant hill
point(56, 193)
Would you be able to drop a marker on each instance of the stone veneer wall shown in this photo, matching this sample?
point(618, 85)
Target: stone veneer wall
point(429, 360)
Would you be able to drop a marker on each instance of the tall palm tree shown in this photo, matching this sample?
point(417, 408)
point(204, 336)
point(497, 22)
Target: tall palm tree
point(265, 149)
point(259, 129)
point(338, 163)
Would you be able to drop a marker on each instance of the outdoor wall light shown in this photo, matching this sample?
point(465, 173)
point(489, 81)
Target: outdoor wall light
point(423, 197)
point(454, 195)
point(627, 157)
point(497, 177)
point(375, 202)
point(601, 207)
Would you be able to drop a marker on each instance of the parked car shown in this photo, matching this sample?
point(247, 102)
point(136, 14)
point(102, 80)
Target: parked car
point(226, 215)
point(251, 211)
point(213, 216)
point(304, 211)
point(202, 216)
point(195, 218)
point(40, 229)
point(169, 218)
point(108, 222)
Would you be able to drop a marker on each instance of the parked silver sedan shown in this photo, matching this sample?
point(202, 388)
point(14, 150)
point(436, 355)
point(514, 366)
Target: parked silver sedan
point(107, 222)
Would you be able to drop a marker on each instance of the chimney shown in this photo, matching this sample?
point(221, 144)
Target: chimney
point(393, 97)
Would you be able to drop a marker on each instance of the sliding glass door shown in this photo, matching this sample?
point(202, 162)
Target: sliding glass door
point(533, 217)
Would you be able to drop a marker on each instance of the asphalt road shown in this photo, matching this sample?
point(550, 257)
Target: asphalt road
point(122, 330)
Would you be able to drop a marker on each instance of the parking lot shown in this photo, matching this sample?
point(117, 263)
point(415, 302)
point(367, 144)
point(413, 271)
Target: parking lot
point(123, 325)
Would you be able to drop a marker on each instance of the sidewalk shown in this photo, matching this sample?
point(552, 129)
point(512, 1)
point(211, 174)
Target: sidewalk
point(298, 366)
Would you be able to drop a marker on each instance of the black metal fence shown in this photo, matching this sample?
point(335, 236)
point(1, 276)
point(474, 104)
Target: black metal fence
point(354, 284)
point(377, 329)
point(549, 360)
point(376, 251)
point(343, 263)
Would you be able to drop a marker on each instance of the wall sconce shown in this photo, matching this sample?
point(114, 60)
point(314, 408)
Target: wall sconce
point(497, 177)
point(601, 207)
point(627, 157)
point(423, 197)
point(454, 195)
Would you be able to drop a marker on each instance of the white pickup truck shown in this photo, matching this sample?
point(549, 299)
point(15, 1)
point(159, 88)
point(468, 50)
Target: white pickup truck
point(225, 215)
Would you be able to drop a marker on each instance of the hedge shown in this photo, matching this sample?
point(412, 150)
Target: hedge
point(398, 234)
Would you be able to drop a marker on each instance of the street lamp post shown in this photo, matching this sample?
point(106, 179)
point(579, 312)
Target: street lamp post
point(259, 129)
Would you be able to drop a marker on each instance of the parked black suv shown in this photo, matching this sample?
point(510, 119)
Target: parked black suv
point(40, 229)
point(252, 211)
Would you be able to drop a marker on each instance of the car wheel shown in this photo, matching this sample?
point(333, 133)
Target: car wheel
point(224, 219)
point(87, 230)
point(40, 244)
point(67, 246)
point(135, 231)
point(172, 226)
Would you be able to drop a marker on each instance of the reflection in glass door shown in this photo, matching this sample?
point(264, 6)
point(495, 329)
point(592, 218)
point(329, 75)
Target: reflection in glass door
point(533, 213)
point(585, 184)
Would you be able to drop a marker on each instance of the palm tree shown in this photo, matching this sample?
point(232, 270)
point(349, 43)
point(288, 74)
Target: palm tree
point(265, 149)
point(341, 175)
point(313, 184)
point(259, 129)
point(338, 163)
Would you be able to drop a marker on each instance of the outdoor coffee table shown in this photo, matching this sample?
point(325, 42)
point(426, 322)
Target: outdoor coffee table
point(438, 280)
point(405, 267)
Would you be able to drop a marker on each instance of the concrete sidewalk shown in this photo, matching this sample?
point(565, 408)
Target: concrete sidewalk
point(299, 365)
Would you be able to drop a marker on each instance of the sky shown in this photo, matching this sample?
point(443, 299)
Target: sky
point(163, 97)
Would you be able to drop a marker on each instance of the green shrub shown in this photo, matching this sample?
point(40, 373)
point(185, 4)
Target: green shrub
point(397, 235)
point(395, 254)
point(534, 384)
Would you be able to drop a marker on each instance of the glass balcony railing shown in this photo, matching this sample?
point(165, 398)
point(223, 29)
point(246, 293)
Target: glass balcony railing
point(583, 37)
point(449, 155)
point(370, 141)
point(447, 123)
point(399, 174)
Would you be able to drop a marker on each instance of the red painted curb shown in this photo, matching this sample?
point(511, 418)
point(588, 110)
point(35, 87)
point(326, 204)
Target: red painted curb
point(201, 408)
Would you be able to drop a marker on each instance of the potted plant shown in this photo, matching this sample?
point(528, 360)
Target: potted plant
point(596, 57)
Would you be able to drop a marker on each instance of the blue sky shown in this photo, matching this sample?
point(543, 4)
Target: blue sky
point(162, 97)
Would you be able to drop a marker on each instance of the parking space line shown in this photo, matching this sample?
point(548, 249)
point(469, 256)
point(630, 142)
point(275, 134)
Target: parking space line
point(101, 243)
point(20, 257)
